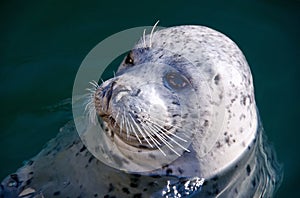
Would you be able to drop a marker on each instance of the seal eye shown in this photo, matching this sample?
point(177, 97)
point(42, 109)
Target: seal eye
point(129, 59)
point(175, 81)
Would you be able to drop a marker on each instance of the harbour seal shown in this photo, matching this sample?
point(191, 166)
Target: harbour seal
point(180, 111)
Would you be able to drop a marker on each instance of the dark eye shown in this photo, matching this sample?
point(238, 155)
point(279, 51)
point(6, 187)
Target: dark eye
point(175, 81)
point(129, 59)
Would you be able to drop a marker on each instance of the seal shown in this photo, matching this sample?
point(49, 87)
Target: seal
point(180, 110)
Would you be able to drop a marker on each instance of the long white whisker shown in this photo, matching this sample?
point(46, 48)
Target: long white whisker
point(90, 109)
point(144, 38)
point(170, 146)
point(165, 130)
point(167, 136)
point(88, 105)
point(160, 121)
point(139, 129)
point(133, 130)
point(92, 91)
point(94, 84)
point(126, 125)
point(121, 124)
point(151, 133)
point(151, 34)
point(155, 142)
point(155, 131)
point(116, 119)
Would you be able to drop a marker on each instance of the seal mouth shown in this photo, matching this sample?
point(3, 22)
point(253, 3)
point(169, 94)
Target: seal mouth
point(127, 131)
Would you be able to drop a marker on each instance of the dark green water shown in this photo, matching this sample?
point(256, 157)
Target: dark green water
point(43, 44)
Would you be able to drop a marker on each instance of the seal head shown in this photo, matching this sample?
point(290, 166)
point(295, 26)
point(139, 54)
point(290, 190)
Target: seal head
point(190, 90)
point(149, 108)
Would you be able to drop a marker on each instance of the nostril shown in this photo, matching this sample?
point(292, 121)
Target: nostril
point(103, 97)
point(107, 92)
point(136, 92)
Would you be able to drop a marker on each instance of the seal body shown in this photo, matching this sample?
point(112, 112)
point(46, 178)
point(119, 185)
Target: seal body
point(184, 102)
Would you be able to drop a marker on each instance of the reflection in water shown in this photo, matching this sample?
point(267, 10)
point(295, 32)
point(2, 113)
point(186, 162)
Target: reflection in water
point(182, 188)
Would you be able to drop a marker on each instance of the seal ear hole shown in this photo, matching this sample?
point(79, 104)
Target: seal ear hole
point(217, 79)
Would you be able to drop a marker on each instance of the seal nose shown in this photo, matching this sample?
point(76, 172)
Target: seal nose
point(103, 95)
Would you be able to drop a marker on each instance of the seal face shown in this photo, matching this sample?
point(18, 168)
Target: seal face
point(146, 115)
point(178, 110)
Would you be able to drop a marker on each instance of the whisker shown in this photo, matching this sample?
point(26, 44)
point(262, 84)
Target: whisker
point(133, 130)
point(156, 132)
point(144, 38)
point(170, 146)
point(116, 119)
point(92, 91)
point(166, 133)
point(121, 124)
point(162, 122)
point(92, 116)
point(126, 125)
point(155, 142)
point(141, 132)
point(150, 134)
point(151, 34)
point(88, 105)
point(167, 136)
point(90, 109)
point(94, 84)
point(165, 130)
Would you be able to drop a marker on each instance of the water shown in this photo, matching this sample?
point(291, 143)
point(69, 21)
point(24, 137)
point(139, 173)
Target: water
point(43, 44)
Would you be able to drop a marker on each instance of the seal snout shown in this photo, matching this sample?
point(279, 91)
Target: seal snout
point(103, 97)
